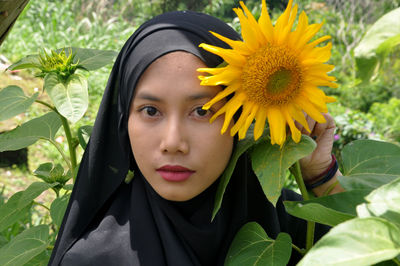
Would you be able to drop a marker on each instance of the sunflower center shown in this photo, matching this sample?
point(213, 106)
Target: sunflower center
point(272, 76)
point(278, 81)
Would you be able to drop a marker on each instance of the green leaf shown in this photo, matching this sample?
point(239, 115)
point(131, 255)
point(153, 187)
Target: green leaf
point(43, 172)
point(9, 213)
point(330, 210)
point(25, 246)
point(239, 149)
point(44, 127)
point(84, 133)
point(30, 61)
point(252, 246)
point(57, 209)
point(356, 242)
point(376, 43)
point(40, 260)
point(17, 205)
point(368, 164)
point(32, 192)
point(13, 102)
point(383, 202)
point(271, 162)
point(70, 97)
point(91, 59)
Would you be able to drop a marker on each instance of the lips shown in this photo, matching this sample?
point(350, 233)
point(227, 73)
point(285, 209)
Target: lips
point(174, 173)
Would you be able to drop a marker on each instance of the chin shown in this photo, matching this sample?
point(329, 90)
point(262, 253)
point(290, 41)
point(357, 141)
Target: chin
point(176, 196)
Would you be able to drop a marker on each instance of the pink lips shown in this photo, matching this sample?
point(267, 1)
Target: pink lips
point(174, 173)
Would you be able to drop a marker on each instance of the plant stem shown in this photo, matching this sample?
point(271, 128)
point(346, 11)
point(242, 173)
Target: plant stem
point(60, 150)
point(300, 250)
point(72, 152)
point(42, 205)
point(71, 148)
point(300, 182)
point(396, 261)
point(46, 104)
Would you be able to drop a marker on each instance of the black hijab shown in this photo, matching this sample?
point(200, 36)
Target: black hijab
point(112, 222)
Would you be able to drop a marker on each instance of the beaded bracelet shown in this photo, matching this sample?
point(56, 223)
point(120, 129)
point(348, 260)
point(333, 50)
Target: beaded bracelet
point(327, 175)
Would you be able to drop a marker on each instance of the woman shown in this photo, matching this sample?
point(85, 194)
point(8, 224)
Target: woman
point(151, 122)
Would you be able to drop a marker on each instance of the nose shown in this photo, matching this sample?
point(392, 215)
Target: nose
point(174, 137)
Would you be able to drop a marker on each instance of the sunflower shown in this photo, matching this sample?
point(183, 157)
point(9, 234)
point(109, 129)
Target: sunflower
point(274, 74)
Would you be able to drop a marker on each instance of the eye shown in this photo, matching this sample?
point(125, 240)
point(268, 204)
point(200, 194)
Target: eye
point(200, 112)
point(149, 110)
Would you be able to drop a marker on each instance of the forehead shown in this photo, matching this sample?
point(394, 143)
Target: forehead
point(176, 70)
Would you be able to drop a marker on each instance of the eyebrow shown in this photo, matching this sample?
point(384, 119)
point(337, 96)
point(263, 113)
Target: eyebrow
point(197, 96)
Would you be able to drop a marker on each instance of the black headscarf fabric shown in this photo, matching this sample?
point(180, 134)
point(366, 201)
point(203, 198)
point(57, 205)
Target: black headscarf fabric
point(111, 222)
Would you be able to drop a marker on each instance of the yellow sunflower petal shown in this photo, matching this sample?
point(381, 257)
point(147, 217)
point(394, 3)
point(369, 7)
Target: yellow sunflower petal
point(330, 99)
point(249, 37)
point(238, 46)
point(298, 115)
point(261, 117)
point(265, 23)
point(311, 110)
point(221, 95)
point(249, 120)
point(242, 119)
point(299, 32)
point(309, 33)
point(277, 125)
point(221, 79)
point(212, 71)
point(296, 134)
point(283, 19)
point(229, 55)
point(233, 105)
point(317, 97)
point(253, 24)
point(282, 36)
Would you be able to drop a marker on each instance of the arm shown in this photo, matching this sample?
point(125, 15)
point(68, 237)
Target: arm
point(318, 161)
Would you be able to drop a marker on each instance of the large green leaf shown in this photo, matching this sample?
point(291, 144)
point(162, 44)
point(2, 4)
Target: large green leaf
point(13, 209)
point(252, 246)
point(25, 246)
point(377, 42)
point(30, 61)
point(57, 209)
point(91, 59)
point(368, 164)
point(383, 202)
point(240, 148)
point(9, 213)
point(271, 162)
point(70, 97)
point(330, 210)
point(361, 241)
point(44, 127)
point(13, 102)
point(40, 260)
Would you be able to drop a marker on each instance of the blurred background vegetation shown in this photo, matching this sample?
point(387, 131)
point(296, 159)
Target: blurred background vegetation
point(362, 111)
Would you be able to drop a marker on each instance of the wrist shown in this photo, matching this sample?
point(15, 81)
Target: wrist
point(324, 177)
point(310, 172)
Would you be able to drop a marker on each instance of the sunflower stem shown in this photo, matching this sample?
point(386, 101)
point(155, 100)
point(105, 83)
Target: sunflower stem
point(296, 171)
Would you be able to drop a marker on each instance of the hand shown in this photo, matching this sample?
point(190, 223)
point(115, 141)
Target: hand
point(320, 159)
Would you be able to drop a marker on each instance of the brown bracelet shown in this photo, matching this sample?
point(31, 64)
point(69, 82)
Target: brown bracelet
point(327, 175)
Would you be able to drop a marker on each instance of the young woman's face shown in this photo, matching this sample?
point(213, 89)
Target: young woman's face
point(176, 148)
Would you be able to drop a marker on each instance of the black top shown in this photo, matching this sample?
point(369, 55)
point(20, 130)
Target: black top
point(109, 222)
